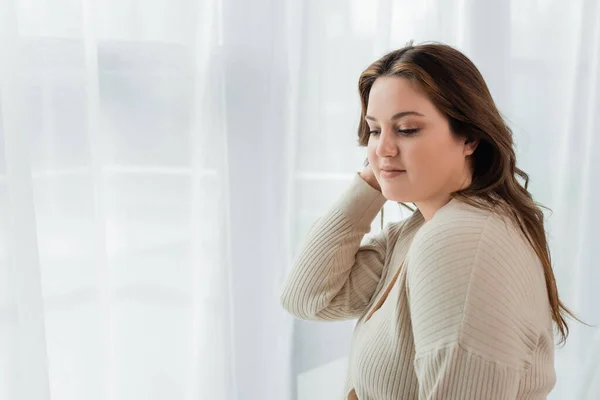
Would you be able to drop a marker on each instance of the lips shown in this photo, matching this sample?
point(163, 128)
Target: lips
point(392, 169)
point(390, 173)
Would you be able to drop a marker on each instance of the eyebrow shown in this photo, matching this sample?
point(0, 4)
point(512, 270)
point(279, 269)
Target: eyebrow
point(398, 115)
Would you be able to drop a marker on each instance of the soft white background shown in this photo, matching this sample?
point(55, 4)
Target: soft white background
point(161, 161)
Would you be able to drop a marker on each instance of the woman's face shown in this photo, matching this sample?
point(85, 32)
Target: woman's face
point(410, 135)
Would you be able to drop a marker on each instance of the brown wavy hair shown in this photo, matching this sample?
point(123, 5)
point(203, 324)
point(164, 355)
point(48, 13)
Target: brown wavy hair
point(457, 88)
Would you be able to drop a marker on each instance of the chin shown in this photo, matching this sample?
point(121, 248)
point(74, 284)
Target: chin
point(397, 195)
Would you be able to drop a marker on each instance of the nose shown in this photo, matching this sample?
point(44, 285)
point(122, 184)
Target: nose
point(386, 146)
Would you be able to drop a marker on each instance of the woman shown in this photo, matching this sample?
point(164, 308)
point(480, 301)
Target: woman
point(457, 301)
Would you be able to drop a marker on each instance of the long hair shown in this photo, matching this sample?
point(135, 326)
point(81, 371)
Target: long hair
point(456, 87)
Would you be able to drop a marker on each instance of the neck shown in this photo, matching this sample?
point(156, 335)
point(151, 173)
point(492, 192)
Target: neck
point(428, 208)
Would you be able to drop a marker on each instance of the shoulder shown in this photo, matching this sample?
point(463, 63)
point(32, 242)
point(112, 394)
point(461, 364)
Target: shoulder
point(462, 236)
point(465, 226)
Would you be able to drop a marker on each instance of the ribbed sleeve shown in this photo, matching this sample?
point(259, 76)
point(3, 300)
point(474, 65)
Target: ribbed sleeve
point(454, 372)
point(473, 333)
point(335, 276)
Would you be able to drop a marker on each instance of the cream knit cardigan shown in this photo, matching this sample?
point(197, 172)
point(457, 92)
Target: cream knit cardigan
point(452, 308)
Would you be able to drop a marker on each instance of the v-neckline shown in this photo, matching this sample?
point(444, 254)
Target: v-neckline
point(415, 218)
point(385, 294)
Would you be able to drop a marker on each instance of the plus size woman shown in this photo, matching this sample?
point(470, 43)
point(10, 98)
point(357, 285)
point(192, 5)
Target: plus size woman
point(459, 300)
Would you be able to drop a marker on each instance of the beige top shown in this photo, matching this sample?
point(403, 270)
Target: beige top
point(455, 308)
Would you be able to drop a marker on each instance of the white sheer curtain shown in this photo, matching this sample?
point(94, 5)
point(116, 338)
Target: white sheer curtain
point(141, 244)
point(162, 161)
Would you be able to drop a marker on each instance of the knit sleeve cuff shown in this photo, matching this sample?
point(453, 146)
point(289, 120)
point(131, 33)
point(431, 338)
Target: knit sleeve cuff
point(360, 203)
point(456, 373)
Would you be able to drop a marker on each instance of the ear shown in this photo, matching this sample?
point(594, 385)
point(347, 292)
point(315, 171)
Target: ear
point(470, 146)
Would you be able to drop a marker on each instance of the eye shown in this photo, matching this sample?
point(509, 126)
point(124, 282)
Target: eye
point(408, 132)
point(373, 132)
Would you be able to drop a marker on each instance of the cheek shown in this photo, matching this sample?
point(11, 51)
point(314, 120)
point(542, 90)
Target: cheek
point(418, 156)
point(430, 161)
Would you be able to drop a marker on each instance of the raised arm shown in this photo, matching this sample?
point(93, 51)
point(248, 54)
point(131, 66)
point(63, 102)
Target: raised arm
point(335, 276)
